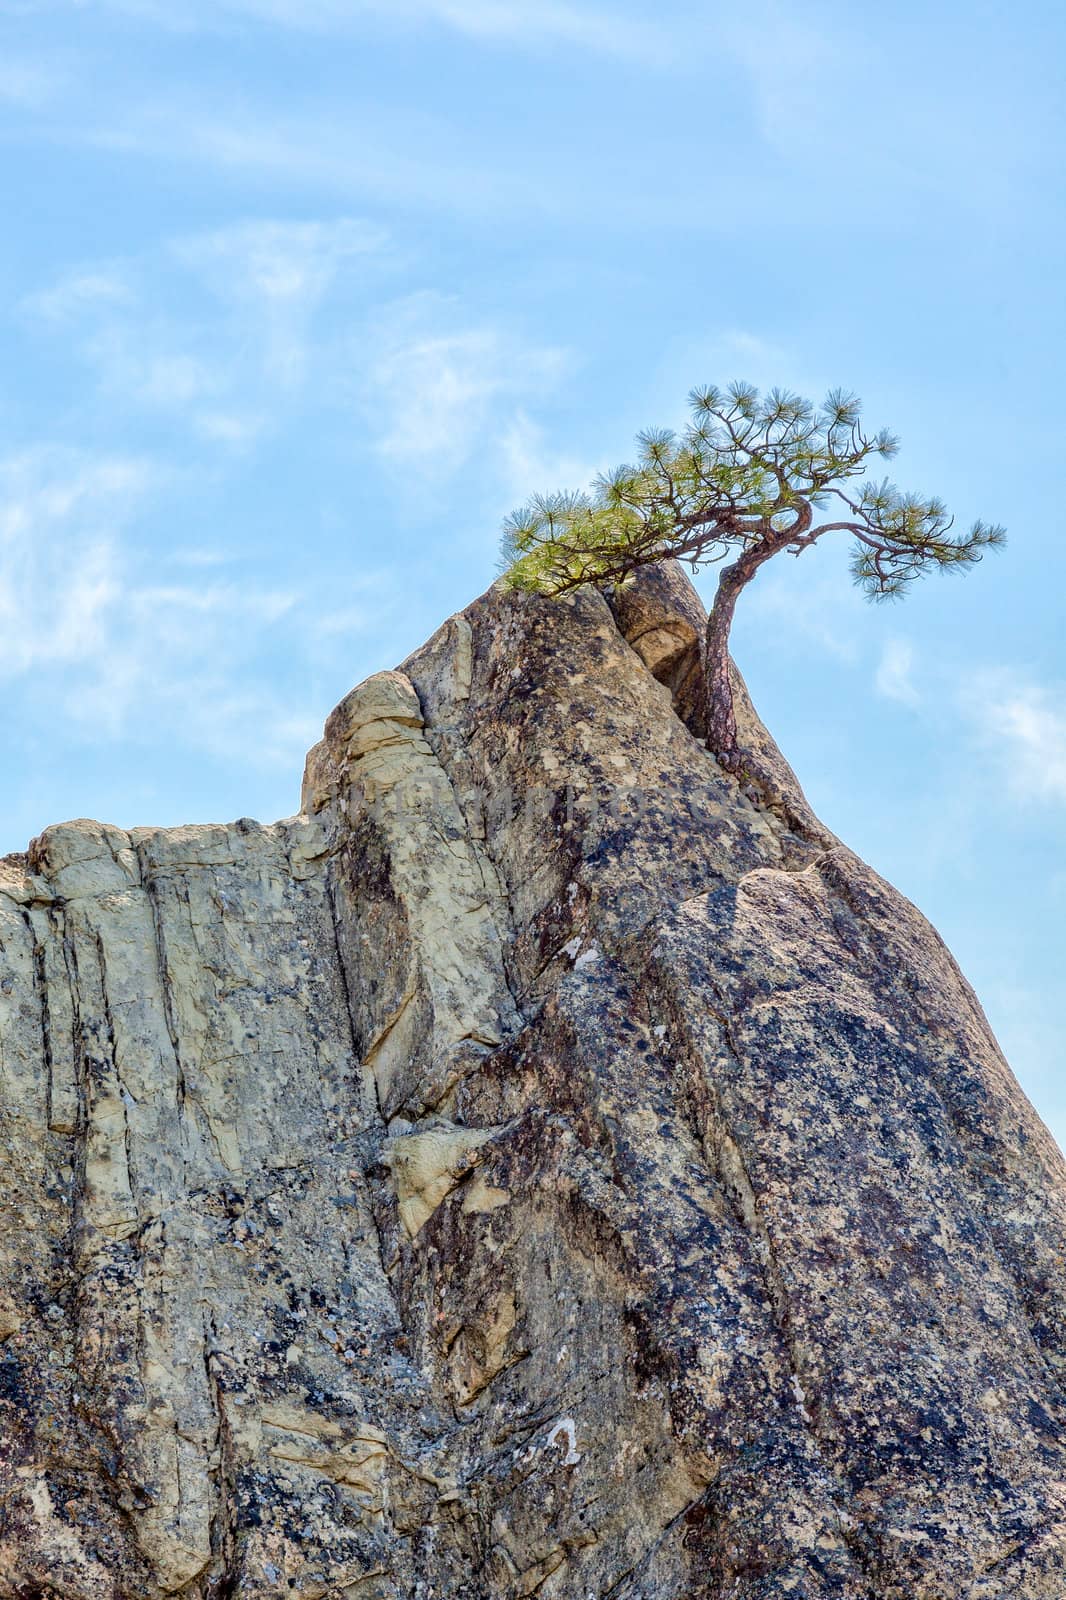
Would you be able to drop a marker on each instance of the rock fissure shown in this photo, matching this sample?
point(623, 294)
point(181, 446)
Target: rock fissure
point(40, 981)
point(164, 982)
point(124, 1097)
point(342, 975)
point(225, 1576)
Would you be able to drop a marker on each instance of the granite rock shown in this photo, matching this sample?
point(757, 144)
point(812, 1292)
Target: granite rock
point(542, 1166)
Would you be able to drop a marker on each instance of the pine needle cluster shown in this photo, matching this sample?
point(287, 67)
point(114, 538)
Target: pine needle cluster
point(749, 475)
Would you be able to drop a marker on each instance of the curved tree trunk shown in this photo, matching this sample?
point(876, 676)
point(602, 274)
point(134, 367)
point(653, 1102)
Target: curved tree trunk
point(720, 715)
point(721, 718)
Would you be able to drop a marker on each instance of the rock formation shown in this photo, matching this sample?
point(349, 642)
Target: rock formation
point(541, 1167)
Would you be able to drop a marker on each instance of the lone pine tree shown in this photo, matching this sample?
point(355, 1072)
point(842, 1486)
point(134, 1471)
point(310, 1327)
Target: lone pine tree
point(750, 476)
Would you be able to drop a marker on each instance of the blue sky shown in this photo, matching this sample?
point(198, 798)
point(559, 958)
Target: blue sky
point(300, 297)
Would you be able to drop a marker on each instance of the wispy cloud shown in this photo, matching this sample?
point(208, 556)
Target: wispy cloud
point(437, 388)
point(521, 22)
point(790, 84)
point(941, 124)
point(280, 263)
point(216, 328)
point(356, 153)
point(197, 556)
point(28, 85)
point(507, 22)
point(101, 643)
point(275, 276)
point(808, 604)
point(79, 293)
point(894, 679)
point(59, 516)
point(530, 464)
point(231, 340)
point(1026, 723)
point(1015, 724)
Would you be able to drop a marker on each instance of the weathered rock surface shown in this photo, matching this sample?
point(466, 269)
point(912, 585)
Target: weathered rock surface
point(540, 1167)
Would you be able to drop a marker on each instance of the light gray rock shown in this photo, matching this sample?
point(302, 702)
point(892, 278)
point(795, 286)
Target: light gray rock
point(540, 1167)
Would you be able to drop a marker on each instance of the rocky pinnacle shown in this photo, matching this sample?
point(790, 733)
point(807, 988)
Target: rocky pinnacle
point(546, 1165)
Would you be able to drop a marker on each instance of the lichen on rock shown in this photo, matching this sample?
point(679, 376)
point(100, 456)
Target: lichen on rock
point(542, 1166)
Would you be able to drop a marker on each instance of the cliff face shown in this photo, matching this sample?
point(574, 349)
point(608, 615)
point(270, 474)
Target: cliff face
point(540, 1167)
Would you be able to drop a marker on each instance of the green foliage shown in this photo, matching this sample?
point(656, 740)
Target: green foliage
point(747, 476)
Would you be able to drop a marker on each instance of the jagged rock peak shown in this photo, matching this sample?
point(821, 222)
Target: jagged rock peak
point(540, 1167)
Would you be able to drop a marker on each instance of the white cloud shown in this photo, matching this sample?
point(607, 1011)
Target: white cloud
point(385, 152)
point(280, 263)
point(941, 121)
point(525, 22)
point(811, 603)
point(1026, 722)
point(514, 22)
point(276, 275)
point(79, 293)
point(143, 363)
point(102, 647)
point(758, 358)
point(177, 602)
point(217, 328)
point(530, 465)
point(28, 86)
point(198, 556)
point(797, 86)
point(60, 577)
point(230, 428)
point(434, 393)
point(894, 679)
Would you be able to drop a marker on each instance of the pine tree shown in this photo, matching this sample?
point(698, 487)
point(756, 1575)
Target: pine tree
point(750, 476)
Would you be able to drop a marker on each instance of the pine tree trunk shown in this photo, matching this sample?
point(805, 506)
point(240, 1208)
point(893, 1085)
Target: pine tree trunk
point(718, 689)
